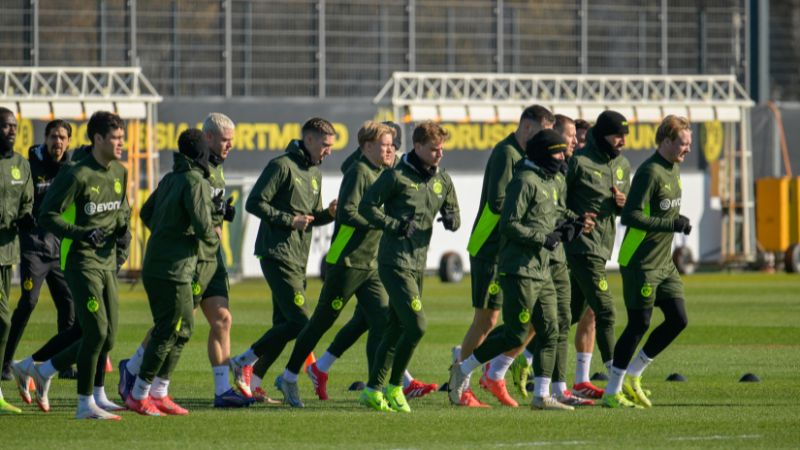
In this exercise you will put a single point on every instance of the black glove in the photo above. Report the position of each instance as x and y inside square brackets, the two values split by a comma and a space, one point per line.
[123, 236]
[552, 240]
[120, 260]
[407, 227]
[682, 225]
[573, 229]
[448, 219]
[230, 211]
[219, 204]
[26, 223]
[96, 237]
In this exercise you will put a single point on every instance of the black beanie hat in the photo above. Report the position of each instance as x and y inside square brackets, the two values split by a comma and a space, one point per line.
[545, 143]
[397, 142]
[193, 145]
[610, 123]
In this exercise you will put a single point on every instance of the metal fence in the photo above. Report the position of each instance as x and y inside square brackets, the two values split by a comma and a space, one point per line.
[338, 48]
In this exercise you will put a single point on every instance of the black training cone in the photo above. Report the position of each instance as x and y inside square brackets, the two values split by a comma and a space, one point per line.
[599, 376]
[357, 386]
[676, 377]
[529, 387]
[749, 378]
[444, 387]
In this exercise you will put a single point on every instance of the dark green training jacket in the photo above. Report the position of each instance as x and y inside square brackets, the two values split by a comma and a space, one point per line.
[355, 241]
[208, 250]
[649, 213]
[484, 242]
[530, 211]
[178, 214]
[404, 192]
[83, 197]
[290, 185]
[562, 213]
[17, 200]
[590, 176]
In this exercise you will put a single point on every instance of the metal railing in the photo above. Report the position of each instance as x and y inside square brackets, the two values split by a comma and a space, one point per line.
[346, 48]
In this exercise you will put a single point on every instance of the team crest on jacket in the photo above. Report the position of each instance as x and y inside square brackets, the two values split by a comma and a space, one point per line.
[437, 187]
[15, 173]
[299, 299]
[524, 317]
[416, 304]
[117, 186]
[314, 185]
[337, 304]
[620, 173]
[92, 304]
[28, 284]
[647, 290]
[494, 288]
[602, 285]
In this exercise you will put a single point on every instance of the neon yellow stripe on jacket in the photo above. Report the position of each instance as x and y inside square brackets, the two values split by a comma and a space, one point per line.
[486, 224]
[633, 239]
[68, 216]
[338, 245]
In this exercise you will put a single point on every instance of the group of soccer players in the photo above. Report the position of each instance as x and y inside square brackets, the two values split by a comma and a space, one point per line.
[539, 246]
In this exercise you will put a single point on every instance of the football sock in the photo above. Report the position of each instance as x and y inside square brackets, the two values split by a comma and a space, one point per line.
[583, 362]
[407, 378]
[615, 378]
[559, 387]
[541, 386]
[222, 382]
[639, 363]
[47, 369]
[325, 362]
[289, 376]
[469, 364]
[135, 361]
[159, 388]
[85, 401]
[498, 367]
[141, 389]
[247, 358]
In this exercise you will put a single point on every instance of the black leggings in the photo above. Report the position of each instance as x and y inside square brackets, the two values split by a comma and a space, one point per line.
[675, 321]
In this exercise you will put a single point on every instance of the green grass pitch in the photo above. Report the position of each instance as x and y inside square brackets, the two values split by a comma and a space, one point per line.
[738, 323]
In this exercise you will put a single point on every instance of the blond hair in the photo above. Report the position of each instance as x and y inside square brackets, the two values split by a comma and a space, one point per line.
[371, 131]
[216, 123]
[670, 127]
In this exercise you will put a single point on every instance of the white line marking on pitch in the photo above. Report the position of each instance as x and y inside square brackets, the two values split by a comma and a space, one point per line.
[541, 443]
[715, 437]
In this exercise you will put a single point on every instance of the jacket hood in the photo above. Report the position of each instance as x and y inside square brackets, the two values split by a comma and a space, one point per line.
[297, 149]
[182, 163]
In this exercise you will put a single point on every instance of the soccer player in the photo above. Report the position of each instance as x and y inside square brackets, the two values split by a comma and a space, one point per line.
[649, 277]
[529, 234]
[287, 197]
[41, 249]
[484, 242]
[352, 266]
[84, 207]
[403, 202]
[15, 213]
[358, 323]
[66, 339]
[559, 271]
[211, 279]
[597, 180]
[179, 215]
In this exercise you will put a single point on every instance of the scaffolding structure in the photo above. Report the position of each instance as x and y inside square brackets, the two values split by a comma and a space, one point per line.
[75, 93]
[493, 97]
